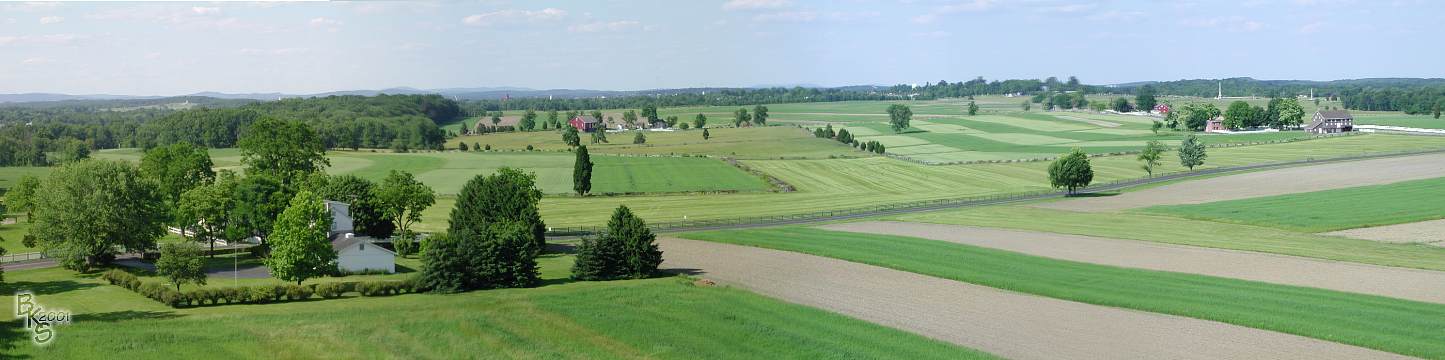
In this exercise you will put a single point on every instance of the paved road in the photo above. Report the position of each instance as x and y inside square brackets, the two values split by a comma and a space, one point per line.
[1412, 284]
[1008, 324]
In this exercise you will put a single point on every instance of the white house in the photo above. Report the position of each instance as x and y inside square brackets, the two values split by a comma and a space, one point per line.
[356, 253]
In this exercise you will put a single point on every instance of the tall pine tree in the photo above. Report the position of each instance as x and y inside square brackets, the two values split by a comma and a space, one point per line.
[582, 172]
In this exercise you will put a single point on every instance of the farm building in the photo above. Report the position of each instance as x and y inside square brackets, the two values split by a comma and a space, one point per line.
[586, 123]
[1331, 121]
[1215, 125]
[356, 253]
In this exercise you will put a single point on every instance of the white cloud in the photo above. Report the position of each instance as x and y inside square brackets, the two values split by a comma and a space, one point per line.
[786, 16]
[200, 10]
[503, 16]
[1067, 8]
[755, 4]
[52, 39]
[1232, 23]
[622, 25]
[325, 23]
[51, 20]
[958, 7]
[1116, 15]
[36, 61]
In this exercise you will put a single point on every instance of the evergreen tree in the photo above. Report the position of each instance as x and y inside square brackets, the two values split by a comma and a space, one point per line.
[639, 138]
[627, 250]
[582, 172]
[972, 108]
[462, 146]
[571, 137]
[705, 134]
[507, 195]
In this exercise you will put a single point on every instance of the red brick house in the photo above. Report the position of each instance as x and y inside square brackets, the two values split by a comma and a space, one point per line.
[586, 123]
[1215, 125]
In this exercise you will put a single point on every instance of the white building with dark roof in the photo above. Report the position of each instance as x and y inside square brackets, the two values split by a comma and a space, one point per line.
[356, 253]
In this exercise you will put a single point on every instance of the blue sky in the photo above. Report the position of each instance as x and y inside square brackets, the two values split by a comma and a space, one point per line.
[179, 48]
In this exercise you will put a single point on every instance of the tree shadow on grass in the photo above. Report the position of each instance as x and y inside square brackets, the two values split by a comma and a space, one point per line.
[126, 315]
[45, 288]
[1091, 195]
[555, 249]
[12, 336]
[683, 271]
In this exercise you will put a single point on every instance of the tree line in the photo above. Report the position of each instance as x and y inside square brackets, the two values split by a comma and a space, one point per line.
[1412, 96]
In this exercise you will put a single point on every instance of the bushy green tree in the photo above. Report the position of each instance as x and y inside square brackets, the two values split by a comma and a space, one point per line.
[462, 146]
[582, 172]
[973, 108]
[700, 121]
[760, 115]
[571, 137]
[1025, 105]
[599, 136]
[85, 210]
[705, 134]
[1153, 150]
[287, 150]
[1191, 152]
[300, 246]
[1122, 105]
[402, 199]
[639, 138]
[258, 200]
[629, 117]
[1197, 115]
[1145, 98]
[177, 168]
[205, 211]
[1155, 126]
[21, 197]
[740, 117]
[649, 112]
[507, 195]
[1071, 171]
[528, 121]
[1288, 113]
[361, 195]
[1238, 115]
[899, 116]
[628, 250]
[181, 263]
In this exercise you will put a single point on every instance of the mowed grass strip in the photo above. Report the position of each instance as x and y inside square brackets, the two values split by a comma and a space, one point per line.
[1329, 210]
[666, 318]
[1175, 230]
[1388, 324]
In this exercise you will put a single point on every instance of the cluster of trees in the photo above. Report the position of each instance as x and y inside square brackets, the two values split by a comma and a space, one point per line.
[1412, 96]
[700, 97]
[741, 117]
[1060, 100]
[1072, 171]
[1281, 113]
[979, 86]
[843, 136]
[493, 236]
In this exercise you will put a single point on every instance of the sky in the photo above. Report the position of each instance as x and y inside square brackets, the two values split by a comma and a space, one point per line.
[179, 48]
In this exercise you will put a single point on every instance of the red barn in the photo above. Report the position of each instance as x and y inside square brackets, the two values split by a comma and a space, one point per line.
[586, 123]
[1161, 108]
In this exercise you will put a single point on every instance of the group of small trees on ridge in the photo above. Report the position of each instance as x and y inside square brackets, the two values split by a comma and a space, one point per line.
[1072, 171]
[843, 136]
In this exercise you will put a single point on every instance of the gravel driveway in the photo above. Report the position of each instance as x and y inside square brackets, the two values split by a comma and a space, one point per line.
[1266, 183]
[1412, 284]
[1007, 324]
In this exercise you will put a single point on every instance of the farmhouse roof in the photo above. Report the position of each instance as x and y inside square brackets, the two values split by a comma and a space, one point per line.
[1336, 114]
[342, 241]
[587, 119]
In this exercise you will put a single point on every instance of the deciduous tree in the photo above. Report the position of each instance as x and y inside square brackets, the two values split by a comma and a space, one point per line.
[300, 248]
[699, 121]
[206, 210]
[507, 195]
[1144, 98]
[628, 250]
[1191, 152]
[639, 138]
[21, 197]
[740, 117]
[177, 168]
[973, 108]
[181, 263]
[402, 199]
[1153, 150]
[1071, 171]
[85, 210]
[899, 116]
[760, 115]
[287, 150]
[571, 137]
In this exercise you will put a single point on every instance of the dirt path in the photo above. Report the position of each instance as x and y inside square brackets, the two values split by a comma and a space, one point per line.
[1412, 284]
[1425, 232]
[1008, 324]
[1266, 183]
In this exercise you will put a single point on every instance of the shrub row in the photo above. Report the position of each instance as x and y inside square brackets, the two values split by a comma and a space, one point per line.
[258, 294]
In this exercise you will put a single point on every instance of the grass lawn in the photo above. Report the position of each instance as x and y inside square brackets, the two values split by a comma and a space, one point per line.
[12, 237]
[1388, 324]
[666, 318]
[1174, 230]
[1399, 119]
[1321, 211]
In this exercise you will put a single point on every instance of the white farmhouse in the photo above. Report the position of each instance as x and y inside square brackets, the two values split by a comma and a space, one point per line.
[356, 253]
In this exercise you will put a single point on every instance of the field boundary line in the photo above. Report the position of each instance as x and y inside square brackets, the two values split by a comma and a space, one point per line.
[972, 201]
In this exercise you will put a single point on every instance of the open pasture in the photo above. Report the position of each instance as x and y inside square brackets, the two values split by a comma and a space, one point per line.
[561, 319]
[1388, 324]
[1398, 119]
[1328, 210]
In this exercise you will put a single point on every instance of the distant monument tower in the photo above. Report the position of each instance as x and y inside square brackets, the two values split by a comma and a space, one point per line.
[1221, 91]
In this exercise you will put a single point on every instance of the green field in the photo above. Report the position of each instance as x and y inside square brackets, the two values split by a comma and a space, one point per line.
[665, 318]
[12, 236]
[770, 142]
[1174, 230]
[1330, 210]
[446, 172]
[1399, 119]
[1394, 325]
